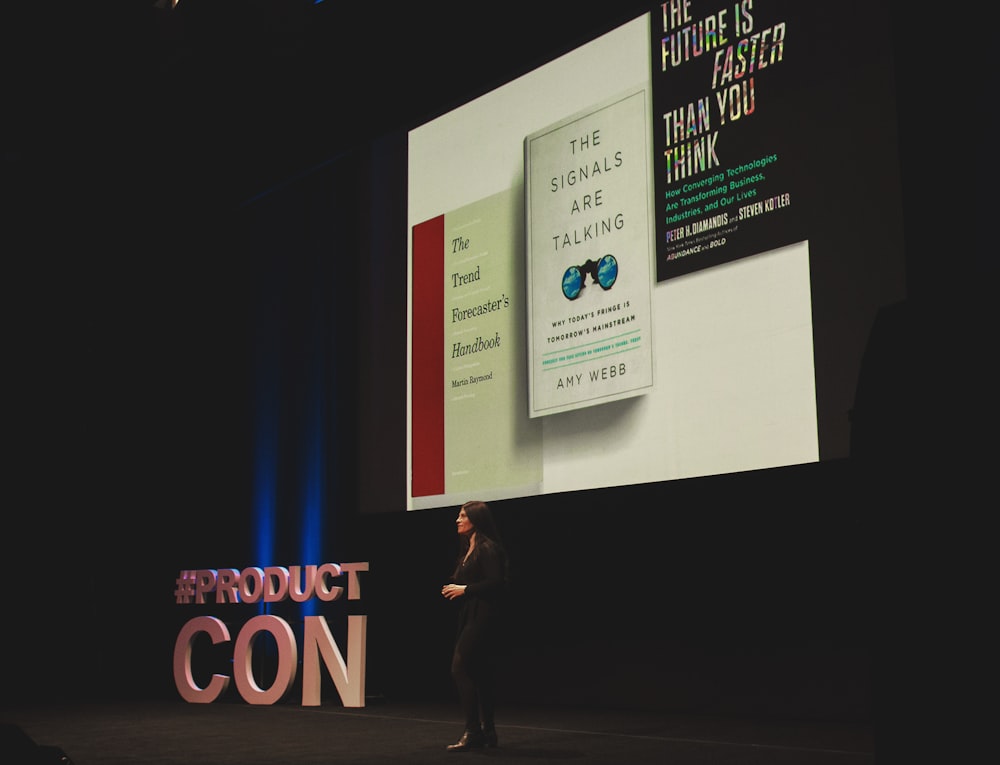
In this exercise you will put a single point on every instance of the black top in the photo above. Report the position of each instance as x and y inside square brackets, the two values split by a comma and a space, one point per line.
[484, 575]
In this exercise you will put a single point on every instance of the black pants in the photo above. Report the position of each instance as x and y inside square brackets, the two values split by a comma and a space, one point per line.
[474, 672]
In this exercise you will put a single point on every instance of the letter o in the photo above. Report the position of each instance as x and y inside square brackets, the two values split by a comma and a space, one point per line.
[253, 575]
[243, 658]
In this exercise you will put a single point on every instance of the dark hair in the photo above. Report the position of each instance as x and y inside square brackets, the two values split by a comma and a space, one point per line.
[481, 518]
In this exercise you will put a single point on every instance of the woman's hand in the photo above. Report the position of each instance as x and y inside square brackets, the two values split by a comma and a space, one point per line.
[452, 591]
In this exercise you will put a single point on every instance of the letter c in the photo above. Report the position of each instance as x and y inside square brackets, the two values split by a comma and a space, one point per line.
[183, 678]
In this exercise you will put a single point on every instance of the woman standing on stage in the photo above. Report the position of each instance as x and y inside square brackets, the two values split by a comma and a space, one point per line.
[479, 584]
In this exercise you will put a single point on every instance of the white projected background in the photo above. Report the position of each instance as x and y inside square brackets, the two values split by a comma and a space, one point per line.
[734, 385]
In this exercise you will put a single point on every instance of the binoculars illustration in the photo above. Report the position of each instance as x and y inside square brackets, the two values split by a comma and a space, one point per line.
[603, 272]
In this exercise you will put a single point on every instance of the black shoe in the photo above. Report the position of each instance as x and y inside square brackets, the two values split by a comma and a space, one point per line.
[469, 740]
[490, 738]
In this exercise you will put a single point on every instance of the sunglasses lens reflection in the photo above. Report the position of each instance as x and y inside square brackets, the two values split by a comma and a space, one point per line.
[607, 271]
[572, 283]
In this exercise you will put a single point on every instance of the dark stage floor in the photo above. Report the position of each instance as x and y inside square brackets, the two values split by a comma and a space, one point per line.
[178, 733]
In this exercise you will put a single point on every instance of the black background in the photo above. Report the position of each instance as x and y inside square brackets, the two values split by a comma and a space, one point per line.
[133, 139]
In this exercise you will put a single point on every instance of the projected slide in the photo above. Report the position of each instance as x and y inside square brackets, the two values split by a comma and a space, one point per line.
[629, 264]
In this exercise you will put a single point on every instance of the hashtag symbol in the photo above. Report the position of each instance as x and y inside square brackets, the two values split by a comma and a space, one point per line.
[184, 591]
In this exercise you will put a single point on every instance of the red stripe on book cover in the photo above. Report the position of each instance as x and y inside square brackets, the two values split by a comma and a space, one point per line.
[427, 394]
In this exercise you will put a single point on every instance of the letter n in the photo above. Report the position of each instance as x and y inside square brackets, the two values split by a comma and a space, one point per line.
[348, 678]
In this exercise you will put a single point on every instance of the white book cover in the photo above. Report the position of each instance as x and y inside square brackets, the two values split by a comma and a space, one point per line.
[589, 253]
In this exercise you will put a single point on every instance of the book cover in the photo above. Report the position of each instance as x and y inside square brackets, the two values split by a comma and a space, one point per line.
[589, 256]
[470, 431]
[738, 96]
